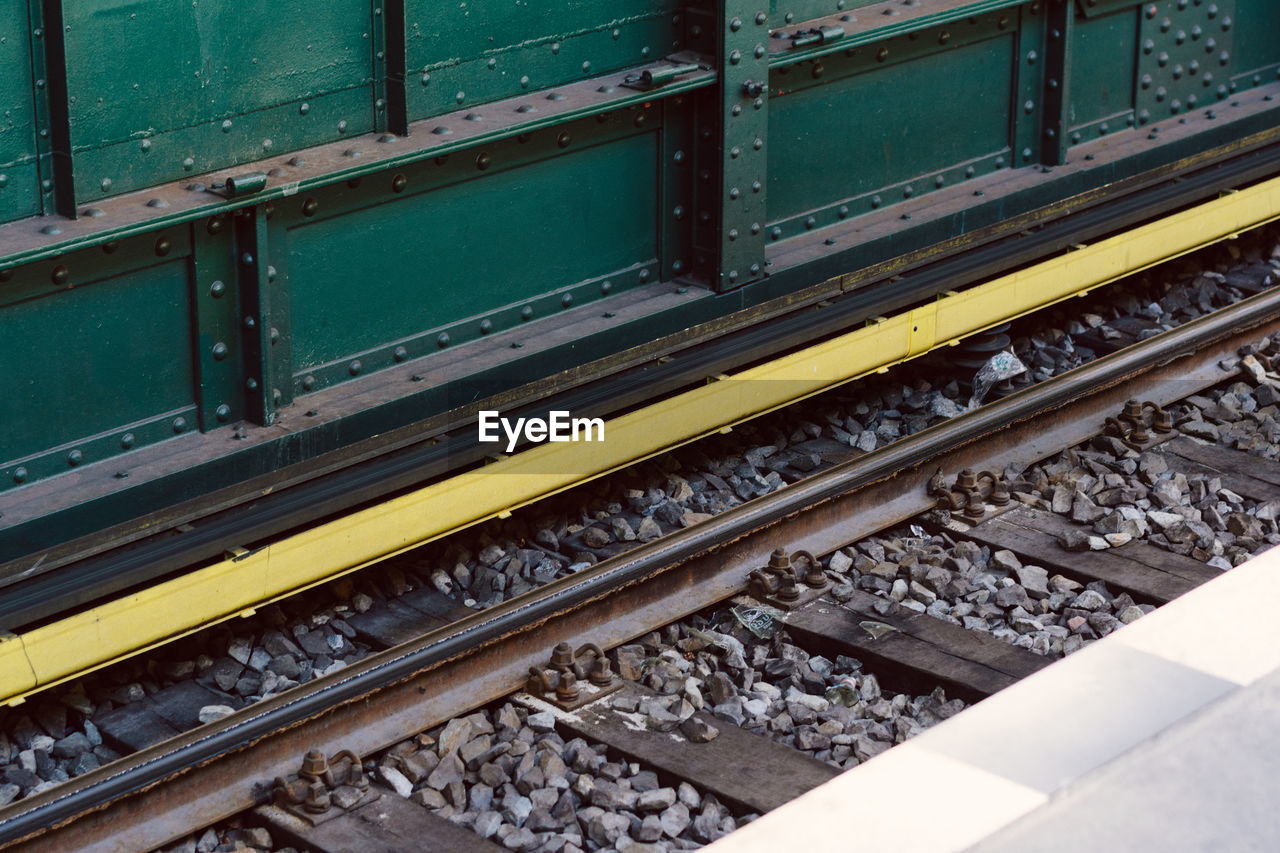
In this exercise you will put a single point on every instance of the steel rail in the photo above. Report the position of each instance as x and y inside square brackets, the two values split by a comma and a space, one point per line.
[150, 798]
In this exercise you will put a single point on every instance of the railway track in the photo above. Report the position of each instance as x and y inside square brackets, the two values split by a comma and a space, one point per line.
[115, 604]
[441, 663]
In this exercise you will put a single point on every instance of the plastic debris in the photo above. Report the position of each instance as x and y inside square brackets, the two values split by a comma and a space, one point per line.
[844, 692]
[876, 629]
[1001, 366]
[755, 620]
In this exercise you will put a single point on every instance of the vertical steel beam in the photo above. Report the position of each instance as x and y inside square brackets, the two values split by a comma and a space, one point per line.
[1028, 95]
[1060, 20]
[214, 307]
[280, 333]
[393, 68]
[53, 122]
[675, 182]
[743, 59]
[257, 310]
[731, 131]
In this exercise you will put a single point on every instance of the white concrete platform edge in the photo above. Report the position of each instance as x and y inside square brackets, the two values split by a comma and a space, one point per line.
[1032, 744]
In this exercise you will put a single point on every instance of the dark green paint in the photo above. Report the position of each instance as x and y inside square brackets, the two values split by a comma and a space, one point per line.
[1104, 60]
[858, 134]
[408, 266]
[1058, 34]
[1030, 67]
[740, 158]
[1257, 28]
[218, 354]
[19, 174]
[139, 113]
[470, 53]
[95, 357]
[1185, 57]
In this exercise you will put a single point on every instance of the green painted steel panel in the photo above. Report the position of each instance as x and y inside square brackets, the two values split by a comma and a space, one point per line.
[472, 53]
[94, 357]
[1257, 28]
[160, 90]
[877, 128]
[1104, 54]
[401, 268]
[19, 174]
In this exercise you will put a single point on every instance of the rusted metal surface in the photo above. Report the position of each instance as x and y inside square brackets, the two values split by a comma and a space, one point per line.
[573, 679]
[780, 585]
[147, 799]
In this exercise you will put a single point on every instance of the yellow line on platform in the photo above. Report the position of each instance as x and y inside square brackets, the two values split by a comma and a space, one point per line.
[126, 626]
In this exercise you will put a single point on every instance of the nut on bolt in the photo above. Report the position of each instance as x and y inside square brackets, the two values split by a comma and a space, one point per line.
[562, 656]
[567, 688]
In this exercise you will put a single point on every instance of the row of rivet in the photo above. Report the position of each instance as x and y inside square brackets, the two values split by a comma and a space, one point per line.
[400, 353]
[482, 162]
[76, 457]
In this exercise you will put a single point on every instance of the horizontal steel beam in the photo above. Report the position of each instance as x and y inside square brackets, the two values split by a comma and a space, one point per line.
[145, 211]
[870, 24]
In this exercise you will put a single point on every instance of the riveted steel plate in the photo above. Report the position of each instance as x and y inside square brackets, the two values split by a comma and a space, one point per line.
[96, 361]
[1103, 69]
[1185, 56]
[477, 251]
[895, 129]
[468, 54]
[159, 90]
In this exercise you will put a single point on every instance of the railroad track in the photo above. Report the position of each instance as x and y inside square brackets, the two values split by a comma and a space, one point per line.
[440, 663]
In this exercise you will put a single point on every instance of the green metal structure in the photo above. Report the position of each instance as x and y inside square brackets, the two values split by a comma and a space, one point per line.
[239, 237]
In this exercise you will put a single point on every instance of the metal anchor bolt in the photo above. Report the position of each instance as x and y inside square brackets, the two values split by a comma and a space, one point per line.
[813, 576]
[780, 567]
[600, 674]
[973, 504]
[1161, 420]
[315, 766]
[562, 656]
[355, 773]
[567, 688]
[317, 801]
